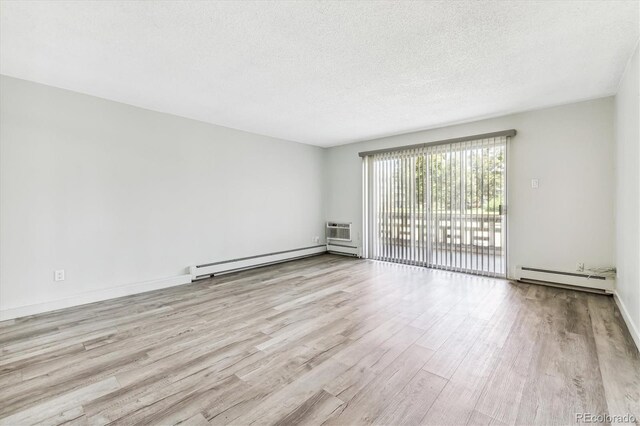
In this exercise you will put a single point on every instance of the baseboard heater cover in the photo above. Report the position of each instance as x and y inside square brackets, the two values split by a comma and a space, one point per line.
[565, 279]
[343, 249]
[208, 269]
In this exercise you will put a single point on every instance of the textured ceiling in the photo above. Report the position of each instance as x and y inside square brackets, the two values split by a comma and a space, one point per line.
[324, 73]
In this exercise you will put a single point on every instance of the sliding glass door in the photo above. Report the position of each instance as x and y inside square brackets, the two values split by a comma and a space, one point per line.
[441, 206]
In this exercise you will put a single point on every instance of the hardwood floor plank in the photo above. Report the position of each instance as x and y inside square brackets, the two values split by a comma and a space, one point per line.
[367, 404]
[74, 414]
[453, 406]
[618, 359]
[467, 379]
[354, 379]
[502, 395]
[196, 420]
[446, 359]
[479, 419]
[411, 404]
[314, 411]
[440, 331]
[61, 404]
[281, 402]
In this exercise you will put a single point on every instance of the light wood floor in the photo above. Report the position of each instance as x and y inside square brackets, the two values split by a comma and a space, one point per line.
[324, 340]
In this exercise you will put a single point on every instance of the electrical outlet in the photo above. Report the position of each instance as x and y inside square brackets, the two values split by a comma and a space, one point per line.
[315, 240]
[535, 183]
[59, 275]
[580, 267]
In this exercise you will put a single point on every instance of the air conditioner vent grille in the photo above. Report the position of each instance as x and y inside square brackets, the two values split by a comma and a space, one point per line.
[338, 231]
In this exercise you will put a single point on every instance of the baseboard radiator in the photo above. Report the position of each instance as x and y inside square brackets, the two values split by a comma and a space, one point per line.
[216, 268]
[343, 249]
[565, 279]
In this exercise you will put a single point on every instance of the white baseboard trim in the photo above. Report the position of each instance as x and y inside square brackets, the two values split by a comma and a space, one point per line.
[627, 319]
[93, 296]
[232, 265]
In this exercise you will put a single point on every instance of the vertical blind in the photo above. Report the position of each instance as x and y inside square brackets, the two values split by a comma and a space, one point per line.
[441, 206]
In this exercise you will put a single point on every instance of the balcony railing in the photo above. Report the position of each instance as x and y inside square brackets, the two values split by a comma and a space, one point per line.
[473, 242]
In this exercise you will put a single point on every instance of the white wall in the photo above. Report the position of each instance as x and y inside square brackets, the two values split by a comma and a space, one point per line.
[569, 148]
[116, 195]
[627, 129]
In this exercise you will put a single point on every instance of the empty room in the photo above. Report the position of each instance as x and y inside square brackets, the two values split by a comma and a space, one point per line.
[319, 212]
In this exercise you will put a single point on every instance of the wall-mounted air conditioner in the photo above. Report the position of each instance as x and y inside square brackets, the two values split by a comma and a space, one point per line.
[339, 239]
[598, 283]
